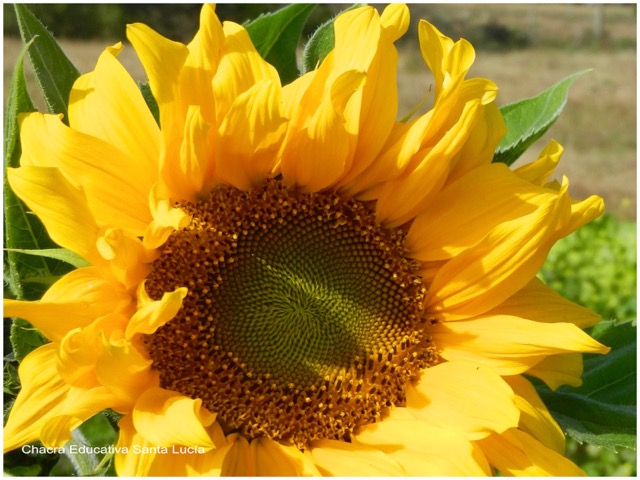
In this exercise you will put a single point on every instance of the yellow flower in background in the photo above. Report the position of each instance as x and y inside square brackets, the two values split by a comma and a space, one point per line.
[289, 281]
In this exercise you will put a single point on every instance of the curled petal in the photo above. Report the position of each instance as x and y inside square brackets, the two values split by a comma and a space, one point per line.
[74, 301]
[155, 314]
[166, 418]
[188, 160]
[535, 301]
[558, 370]
[166, 218]
[327, 139]
[128, 259]
[123, 369]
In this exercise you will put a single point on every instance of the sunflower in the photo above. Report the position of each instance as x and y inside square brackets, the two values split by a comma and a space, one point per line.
[285, 280]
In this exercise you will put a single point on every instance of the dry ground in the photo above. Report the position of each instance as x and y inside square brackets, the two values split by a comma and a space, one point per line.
[598, 126]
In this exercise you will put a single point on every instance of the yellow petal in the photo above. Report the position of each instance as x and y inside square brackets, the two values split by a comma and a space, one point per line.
[363, 43]
[250, 136]
[519, 454]
[40, 399]
[558, 370]
[293, 94]
[185, 174]
[357, 34]
[538, 172]
[162, 60]
[479, 148]
[77, 357]
[61, 207]
[166, 218]
[421, 185]
[535, 419]
[399, 153]
[167, 418]
[153, 315]
[240, 68]
[273, 459]
[79, 350]
[334, 458]
[536, 301]
[135, 456]
[74, 301]
[116, 190]
[423, 449]
[107, 104]
[581, 213]
[376, 118]
[80, 405]
[503, 262]
[238, 461]
[510, 345]
[200, 66]
[327, 139]
[128, 259]
[448, 61]
[445, 228]
[123, 369]
[434, 47]
[395, 20]
[128, 462]
[464, 397]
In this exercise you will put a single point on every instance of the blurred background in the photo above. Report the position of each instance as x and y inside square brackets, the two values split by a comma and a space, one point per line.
[524, 49]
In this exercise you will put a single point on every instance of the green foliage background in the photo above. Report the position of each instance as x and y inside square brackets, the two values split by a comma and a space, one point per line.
[596, 267]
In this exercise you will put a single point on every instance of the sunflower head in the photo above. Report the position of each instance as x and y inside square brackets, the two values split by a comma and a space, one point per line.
[287, 280]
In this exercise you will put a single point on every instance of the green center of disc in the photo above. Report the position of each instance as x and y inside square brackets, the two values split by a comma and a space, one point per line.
[303, 318]
[306, 297]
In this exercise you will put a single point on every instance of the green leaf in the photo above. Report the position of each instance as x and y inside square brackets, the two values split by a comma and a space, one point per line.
[321, 43]
[18, 101]
[61, 254]
[84, 461]
[602, 411]
[22, 229]
[528, 119]
[150, 100]
[275, 36]
[85, 449]
[24, 338]
[600, 424]
[54, 72]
